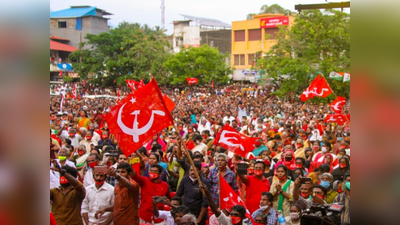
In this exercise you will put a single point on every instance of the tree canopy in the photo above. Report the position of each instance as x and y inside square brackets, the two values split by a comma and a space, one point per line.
[204, 63]
[128, 51]
[274, 9]
[318, 42]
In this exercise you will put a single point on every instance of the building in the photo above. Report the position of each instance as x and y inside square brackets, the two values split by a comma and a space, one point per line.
[252, 38]
[74, 23]
[195, 31]
[59, 52]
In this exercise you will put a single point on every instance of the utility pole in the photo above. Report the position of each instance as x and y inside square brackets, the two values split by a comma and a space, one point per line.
[162, 15]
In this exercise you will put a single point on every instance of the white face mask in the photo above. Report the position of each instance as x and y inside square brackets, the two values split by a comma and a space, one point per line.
[324, 149]
[294, 216]
[259, 129]
[262, 208]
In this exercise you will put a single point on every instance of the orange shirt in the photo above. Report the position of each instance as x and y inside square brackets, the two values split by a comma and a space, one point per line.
[126, 204]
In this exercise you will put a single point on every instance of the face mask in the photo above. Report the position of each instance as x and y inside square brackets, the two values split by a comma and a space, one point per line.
[324, 149]
[104, 136]
[339, 191]
[279, 148]
[72, 135]
[304, 195]
[319, 196]
[204, 122]
[99, 182]
[288, 158]
[262, 208]
[62, 158]
[250, 171]
[235, 219]
[348, 185]
[88, 138]
[153, 175]
[316, 148]
[259, 129]
[342, 165]
[180, 128]
[204, 136]
[299, 145]
[108, 164]
[294, 216]
[299, 165]
[275, 130]
[92, 165]
[267, 163]
[63, 180]
[343, 147]
[283, 178]
[325, 184]
[190, 130]
[96, 125]
[258, 172]
[305, 138]
[80, 152]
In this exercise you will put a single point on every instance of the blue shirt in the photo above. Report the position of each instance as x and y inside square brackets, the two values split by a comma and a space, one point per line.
[257, 151]
[271, 216]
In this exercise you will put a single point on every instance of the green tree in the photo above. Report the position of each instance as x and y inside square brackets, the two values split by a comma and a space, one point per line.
[274, 9]
[128, 51]
[318, 42]
[204, 63]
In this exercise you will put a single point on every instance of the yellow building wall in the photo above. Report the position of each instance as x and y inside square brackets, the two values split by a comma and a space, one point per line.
[251, 47]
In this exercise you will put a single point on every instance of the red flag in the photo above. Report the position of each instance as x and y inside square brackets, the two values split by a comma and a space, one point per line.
[192, 81]
[132, 84]
[169, 103]
[338, 118]
[74, 93]
[318, 88]
[140, 84]
[234, 141]
[138, 117]
[117, 96]
[338, 104]
[229, 198]
[60, 73]
[212, 85]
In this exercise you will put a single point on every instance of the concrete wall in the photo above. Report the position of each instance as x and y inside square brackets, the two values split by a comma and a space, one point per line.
[221, 39]
[90, 25]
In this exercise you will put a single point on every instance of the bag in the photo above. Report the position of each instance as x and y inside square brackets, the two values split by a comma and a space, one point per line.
[172, 181]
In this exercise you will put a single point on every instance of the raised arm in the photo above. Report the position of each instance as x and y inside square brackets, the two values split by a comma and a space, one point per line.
[211, 203]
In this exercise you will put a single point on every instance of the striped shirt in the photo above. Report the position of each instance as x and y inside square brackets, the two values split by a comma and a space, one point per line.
[343, 199]
[213, 177]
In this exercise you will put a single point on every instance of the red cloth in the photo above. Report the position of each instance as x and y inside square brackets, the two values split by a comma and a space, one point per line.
[254, 188]
[150, 189]
[318, 88]
[52, 220]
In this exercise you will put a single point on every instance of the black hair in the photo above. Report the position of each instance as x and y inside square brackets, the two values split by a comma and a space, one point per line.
[324, 168]
[156, 147]
[298, 207]
[98, 152]
[260, 162]
[176, 198]
[197, 156]
[71, 170]
[240, 209]
[347, 174]
[190, 153]
[347, 162]
[308, 149]
[320, 187]
[68, 141]
[182, 209]
[328, 145]
[198, 137]
[197, 165]
[142, 150]
[160, 169]
[95, 155]
[269, 196]
[302, 160]
[109, 148]
[222, 150]
[124, 165]
[207, 132]
[277, 137]
[283, 167]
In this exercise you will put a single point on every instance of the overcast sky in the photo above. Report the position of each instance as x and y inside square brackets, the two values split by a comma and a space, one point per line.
[149, 12]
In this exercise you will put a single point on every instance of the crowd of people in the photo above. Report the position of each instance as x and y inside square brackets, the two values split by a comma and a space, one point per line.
[298, 160]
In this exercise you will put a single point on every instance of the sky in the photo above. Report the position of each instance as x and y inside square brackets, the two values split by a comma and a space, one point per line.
[149, 12]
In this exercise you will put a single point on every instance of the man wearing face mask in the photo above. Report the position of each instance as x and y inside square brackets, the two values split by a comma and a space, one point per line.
[316, 194]
[88, 140]
[203, 125]
[105, 139]
[259, 147]
[326, 182]
[344, 199]
[67, 199]
[199, 146]
[151, 186]
[265, 207]
[189, 190]
[98, 194]
[92, 161]
[255, 185]
[228, 117]
[95, 136]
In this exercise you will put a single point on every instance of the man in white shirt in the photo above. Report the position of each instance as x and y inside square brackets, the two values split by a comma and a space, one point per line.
[228, 117]
[199, 146]
[203, 125]
[95, 136]
[241, 110]
[88, 141]
[92, 161]
[175, 214]
[98, 195]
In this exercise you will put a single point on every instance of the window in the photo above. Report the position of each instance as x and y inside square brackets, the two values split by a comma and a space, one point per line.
[239, 35]
[78, 25]
[62, 24]
[271, 33]
[250, 59]
[239, 60]
[255, 35]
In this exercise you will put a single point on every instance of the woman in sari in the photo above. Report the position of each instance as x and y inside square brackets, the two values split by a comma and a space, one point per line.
[83, 121]
[156, 140]
[282, 190]
[327, 159]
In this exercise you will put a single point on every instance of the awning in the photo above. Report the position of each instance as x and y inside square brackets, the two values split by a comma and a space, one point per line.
[57, 46]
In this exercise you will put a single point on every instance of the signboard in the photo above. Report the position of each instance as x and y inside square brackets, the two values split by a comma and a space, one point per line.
[249, 73]
[274, 21]
[64, 66]
[191, 37]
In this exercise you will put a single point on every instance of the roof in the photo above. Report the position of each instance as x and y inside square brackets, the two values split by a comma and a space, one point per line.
[54, 45]
[58, 38]
[207, 21]
[77, 11]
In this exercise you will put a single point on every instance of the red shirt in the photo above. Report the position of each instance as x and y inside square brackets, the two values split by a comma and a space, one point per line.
[150, 189]
[254, 188]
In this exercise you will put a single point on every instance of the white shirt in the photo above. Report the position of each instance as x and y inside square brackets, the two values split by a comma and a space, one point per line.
[74, 141]
[200, 148]
[67, 162]
[95, 138]
[242, 112]
[97, 199]
[226, 118]
[88, 179]
[166, 216]
[224, 220]
[54, 182]
[87, 144]
[202, 127]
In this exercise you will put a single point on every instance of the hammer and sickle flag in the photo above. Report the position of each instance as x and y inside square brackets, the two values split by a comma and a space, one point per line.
[138, 117]
[234, 141]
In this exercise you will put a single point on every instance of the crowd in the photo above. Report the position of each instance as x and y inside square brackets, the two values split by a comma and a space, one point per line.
[298, 162]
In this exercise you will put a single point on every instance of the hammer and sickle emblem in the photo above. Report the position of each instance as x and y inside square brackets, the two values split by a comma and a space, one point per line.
[225, 140]
[135, 131]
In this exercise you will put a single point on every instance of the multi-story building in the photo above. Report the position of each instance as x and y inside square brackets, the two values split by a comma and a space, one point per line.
[195, 31]
[251, 39]
[59, 63]
[74, 23]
